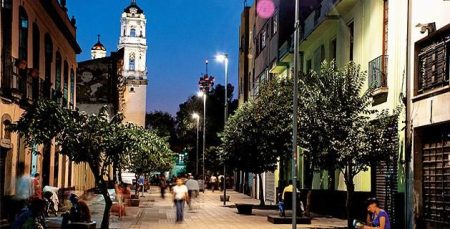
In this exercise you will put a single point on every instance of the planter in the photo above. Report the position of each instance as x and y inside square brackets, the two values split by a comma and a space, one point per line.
[228, 198]
[245, 209]
[134, 202]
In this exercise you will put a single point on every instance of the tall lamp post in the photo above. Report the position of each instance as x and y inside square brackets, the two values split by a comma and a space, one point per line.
[224, 59]
[197, 118]
[294, 115]
[205, 83]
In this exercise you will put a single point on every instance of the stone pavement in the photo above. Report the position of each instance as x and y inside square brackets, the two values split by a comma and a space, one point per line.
[207, 212]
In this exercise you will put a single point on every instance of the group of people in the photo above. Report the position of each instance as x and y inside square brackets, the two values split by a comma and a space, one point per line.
[30, 208]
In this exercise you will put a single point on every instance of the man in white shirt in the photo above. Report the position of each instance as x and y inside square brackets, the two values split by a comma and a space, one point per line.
[213, 181]
[180, 194]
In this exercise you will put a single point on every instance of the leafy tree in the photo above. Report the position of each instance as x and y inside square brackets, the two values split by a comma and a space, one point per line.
[164, 125]
[186, 126]
[259, 132]
[98, 140]
[148, 152]
[336, 126]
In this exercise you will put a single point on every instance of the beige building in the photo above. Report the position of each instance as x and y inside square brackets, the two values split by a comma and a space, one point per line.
[38, 60]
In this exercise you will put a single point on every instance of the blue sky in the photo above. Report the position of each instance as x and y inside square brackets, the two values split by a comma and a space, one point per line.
[181, 34]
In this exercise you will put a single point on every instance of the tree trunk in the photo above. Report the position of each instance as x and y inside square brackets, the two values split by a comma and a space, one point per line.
[308, 186]
[120, 175]
[115, 173]
[101, 185]
[350, 191]
[261, 193]
[331, 179]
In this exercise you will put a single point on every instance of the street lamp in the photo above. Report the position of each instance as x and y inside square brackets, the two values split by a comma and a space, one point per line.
[197, 118]
[205, 83]
[294, 113]
[223, 58]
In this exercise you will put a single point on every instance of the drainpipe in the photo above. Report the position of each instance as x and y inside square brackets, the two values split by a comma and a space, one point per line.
[409, 175]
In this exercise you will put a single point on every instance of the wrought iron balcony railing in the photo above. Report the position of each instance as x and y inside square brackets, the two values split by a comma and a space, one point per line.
[377, 76]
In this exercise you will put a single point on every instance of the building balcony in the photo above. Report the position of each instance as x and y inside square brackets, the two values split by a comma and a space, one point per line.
[20, 84]
[377, 76]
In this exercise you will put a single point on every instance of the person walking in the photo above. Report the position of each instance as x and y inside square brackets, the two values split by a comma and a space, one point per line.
[213, 181]
[24, 188]
[180, 195]
[193, 189]
[141, 184]
[162, 185]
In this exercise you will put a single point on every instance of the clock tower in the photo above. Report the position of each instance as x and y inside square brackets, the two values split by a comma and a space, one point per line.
[133, 41]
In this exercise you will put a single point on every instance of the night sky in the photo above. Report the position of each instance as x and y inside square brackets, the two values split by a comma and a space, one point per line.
[181, 35]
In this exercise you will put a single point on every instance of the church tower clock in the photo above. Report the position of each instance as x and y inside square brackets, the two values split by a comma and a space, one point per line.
[133, 41]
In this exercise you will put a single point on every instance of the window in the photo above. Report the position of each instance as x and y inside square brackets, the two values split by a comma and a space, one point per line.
[36, 46]
[133, 32]
[275, 24]
[333, 50]
[48, 64]
[72, 88]
[351, 30]
[66, 84]
[263, 39]
[132, 66]
[23, 34]
[58, 71]
[308, 65]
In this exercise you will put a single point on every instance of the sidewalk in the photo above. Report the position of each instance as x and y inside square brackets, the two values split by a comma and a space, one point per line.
[207, 212]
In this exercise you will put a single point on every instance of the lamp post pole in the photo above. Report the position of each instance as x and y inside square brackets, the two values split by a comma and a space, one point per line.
[197, 119]
[224, 123]
[294, 119]
[204, 140]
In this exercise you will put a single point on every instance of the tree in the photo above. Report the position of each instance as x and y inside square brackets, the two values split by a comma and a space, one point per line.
[259, 132]
[148, 152]
[186, 126]
[164, 125]
[336, 126]
[98, 140]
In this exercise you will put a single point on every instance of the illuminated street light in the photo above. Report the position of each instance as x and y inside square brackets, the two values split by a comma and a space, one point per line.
[223, 58]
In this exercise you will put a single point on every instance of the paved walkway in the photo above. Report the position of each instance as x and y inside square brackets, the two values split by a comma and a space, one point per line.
[207, 212]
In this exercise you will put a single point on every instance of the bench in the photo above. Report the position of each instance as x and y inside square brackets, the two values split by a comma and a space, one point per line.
[245, 209]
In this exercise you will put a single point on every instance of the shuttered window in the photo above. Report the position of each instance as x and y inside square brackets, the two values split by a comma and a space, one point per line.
[436, 175]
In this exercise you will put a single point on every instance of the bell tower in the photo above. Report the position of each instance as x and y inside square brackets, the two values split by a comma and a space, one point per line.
[134, 43]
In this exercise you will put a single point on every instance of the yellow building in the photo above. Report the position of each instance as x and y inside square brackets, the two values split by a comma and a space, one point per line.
[38, 60]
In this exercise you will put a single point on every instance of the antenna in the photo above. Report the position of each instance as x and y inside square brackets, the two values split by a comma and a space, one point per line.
[98, 38]
[133, 2]
[206, 63]
[245, 3]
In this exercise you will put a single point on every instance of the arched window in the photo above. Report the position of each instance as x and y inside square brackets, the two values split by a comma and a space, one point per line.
[132, 62]
[58, 71]
[4, 134]
[72, 88]
[66, 84]
[23, 34]
[132, 32]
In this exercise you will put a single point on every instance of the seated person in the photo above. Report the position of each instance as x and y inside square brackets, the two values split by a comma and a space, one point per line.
[281, 203]
[79, 212]
[32, 216]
